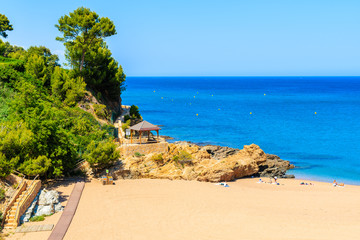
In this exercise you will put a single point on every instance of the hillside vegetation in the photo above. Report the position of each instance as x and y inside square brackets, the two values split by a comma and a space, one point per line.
[43, 131]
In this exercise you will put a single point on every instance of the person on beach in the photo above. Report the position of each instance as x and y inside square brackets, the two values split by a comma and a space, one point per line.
[335, 183]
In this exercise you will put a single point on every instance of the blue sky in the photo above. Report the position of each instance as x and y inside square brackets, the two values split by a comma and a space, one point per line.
[210, 38]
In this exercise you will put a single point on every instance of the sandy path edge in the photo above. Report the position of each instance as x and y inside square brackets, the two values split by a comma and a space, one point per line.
[65, 220]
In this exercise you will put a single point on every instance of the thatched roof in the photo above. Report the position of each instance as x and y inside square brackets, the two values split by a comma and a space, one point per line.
[144, 126]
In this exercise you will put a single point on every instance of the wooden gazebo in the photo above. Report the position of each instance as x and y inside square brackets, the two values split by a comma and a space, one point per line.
[144, 126]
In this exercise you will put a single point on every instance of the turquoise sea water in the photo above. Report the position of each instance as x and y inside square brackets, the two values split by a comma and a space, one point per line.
[216, 110]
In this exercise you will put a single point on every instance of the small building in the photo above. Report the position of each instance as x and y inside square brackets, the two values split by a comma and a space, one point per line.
[144, 127]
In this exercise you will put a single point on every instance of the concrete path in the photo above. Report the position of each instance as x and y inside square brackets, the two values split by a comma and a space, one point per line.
[64, 222]
[34, 228]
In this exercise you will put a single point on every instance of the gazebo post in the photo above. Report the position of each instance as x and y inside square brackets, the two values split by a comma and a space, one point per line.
[140, 136]
[131, 132]
[157, 132]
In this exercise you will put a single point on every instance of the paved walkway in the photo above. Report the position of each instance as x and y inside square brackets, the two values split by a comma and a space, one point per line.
[34, 228]
[64, 222]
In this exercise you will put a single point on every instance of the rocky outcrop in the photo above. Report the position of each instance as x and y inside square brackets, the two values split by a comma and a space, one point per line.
[45, 203]
[274, 167]
[189, 161]
[218, 152]
[48, 203]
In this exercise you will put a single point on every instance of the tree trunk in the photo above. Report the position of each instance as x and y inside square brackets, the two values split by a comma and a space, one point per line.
[82, 60]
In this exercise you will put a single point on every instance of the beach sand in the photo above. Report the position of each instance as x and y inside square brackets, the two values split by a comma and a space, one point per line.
[163, 209]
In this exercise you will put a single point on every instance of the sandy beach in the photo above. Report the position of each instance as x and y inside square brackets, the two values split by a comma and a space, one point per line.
[164, 209]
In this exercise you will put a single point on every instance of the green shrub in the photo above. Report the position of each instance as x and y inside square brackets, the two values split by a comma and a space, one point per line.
[137, 154]
[183, 158]
[158, 158]
[134, 112]
[98, 96]
[100, 111]
[2, 194]
[125, 125]
[126, 118]
[101, 154]
[37, 218]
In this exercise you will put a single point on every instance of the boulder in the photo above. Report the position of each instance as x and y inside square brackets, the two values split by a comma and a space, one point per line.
[48, 203]
[218, 152]
[274, 167]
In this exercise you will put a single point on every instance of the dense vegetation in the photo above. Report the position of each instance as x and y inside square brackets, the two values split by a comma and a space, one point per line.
[42, 129]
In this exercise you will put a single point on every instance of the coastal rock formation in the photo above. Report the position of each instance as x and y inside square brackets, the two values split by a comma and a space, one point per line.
[219, 152]
[274, 167]
[48, 203]
[45, 203]
[188, 161]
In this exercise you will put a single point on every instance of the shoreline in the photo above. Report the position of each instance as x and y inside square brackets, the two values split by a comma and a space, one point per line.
[305, 177]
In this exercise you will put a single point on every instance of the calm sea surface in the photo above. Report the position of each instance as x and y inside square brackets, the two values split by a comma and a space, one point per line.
[312, 121]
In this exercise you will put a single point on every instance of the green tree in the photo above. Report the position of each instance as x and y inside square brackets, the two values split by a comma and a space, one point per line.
[134, 112]
[102, 72]
[38, 166]
[35, 66]
[67, 89]
[4, 25]
[51, 60]
[82, 29]
[6, 166]
[102, 154]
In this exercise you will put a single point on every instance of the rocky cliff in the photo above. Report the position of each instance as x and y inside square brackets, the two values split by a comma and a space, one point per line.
[188, 161]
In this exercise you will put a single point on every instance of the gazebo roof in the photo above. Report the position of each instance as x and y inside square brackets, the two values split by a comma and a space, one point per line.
[144, 126]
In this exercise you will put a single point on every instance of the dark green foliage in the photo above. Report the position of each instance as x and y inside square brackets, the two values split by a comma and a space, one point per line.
[83, 33]
[38, 166]
[126, 125]
[102, 73]
[6, 166]
[37, 218]
[2, 194]
[65, 88]
[50, 60]
[100, 111]
[102, 154]
[6, 49]
[82, 29]
[126, 118]
[42, 131]
[4, 25]
[6, 94]
[134, 112]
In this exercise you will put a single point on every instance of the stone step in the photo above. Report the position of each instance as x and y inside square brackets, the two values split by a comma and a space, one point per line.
[10, 221]
[12, 226]
[10, 216]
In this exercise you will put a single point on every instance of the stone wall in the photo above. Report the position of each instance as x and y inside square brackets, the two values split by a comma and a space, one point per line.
[131, 149]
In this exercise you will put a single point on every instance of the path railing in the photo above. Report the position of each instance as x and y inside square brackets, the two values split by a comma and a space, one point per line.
[12, 198]
[24, 197]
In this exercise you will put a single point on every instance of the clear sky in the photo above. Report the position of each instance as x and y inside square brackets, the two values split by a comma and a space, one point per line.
[209, 38]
